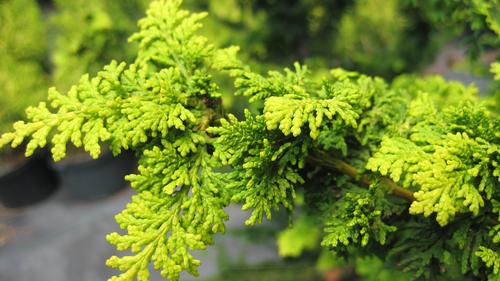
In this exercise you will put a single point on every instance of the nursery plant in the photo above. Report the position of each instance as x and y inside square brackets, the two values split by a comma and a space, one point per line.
[22, 52]
[88, 34]
[23, 79]
[407, 172]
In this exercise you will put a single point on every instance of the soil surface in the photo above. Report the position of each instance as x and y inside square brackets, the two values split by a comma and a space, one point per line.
[61, 240]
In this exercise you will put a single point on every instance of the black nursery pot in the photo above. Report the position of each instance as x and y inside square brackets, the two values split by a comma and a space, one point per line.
[96, 179]
[29, 183]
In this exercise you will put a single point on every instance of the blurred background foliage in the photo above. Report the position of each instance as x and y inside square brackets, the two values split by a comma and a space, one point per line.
[91, 33]
[49, 43]
[55, 42]
[23, 51]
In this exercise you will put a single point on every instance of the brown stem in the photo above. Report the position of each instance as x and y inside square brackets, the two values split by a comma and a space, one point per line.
[206, 119]
[323, 159]
[212, 112]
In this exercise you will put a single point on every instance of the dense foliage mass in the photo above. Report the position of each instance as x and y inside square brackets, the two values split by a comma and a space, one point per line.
[406, 171]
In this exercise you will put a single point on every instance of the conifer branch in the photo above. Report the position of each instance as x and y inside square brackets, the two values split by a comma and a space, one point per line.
[322, 158]
[431, 134]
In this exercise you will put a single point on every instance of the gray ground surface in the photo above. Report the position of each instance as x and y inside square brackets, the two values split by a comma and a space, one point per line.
[62, 240]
